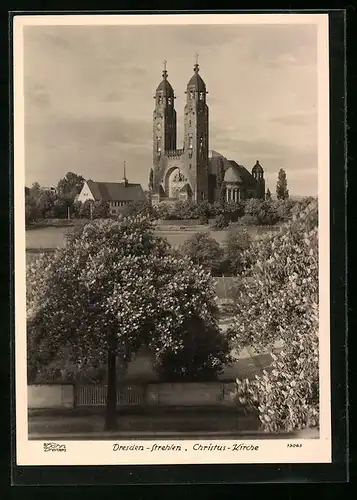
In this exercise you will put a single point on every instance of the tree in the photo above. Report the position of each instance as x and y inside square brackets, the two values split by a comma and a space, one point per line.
[222, 194]
[278, 301]
[30, 209]
[85, 209]
[267, 215]
[45, 203]
[100, 209]
[282, 192]
[203, 211]
[203, 250]
[249, 220]
[151, 179]
[113, 288]
[35, 190]
[187, 209]
[76, 208]
[202, 355]
[238, 242]
[252, 207]
[220, 222]
[234, 210]
[59, 209]
[70, 185]
[162, 211]
[220, 174]
[284, 209]
[138, 208]
[268, 194]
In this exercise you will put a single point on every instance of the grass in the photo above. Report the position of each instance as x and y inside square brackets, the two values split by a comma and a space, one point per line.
[53, 236]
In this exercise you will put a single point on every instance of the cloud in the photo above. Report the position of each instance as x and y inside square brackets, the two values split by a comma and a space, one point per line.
[92, 133]
[89, 95]
[295, 120]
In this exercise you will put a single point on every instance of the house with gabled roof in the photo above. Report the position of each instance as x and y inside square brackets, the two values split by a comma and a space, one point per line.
[116, 194]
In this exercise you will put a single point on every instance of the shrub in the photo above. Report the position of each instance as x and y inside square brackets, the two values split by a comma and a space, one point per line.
[138, 208]
[76, 208]
[278, 301]
[220, 222]
[287, 397]
[238, 242]
[203, 250]
[204, 220]
[252, 207]
[234, 210]
[216, 209]
[202, 354]
[284, 209]
[267, 215]
[100, 209]
[249, 220]
[31, 212]
[85, 209]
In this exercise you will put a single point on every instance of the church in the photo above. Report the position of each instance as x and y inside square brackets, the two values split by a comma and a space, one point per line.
[194, 172]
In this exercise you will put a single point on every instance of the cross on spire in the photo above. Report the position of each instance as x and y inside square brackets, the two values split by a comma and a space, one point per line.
[164, 73]
[196, 68]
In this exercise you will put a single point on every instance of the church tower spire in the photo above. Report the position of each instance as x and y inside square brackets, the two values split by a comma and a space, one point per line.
[164, 117]
[125, 180]
[196, 132]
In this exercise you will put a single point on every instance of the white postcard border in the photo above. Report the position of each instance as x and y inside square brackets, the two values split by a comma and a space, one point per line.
[30, 452]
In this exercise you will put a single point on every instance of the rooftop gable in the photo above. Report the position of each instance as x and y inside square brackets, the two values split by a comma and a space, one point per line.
[116, 191]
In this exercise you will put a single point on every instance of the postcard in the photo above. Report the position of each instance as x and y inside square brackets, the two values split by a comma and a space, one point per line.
[171, 210]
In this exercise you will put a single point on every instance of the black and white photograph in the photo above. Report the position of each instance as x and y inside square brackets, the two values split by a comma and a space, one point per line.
[172, 239]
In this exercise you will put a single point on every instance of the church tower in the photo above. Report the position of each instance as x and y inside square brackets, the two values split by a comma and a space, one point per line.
[164, 119]
[258, 175]
[196, 134]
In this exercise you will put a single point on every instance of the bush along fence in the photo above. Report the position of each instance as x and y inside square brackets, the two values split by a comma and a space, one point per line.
[51, 396]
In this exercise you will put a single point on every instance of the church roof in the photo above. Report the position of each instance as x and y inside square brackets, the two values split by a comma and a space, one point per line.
[232, 175]
[245, 175]
[116, 191]
[165, 87]
[196, 81]
[216, 159]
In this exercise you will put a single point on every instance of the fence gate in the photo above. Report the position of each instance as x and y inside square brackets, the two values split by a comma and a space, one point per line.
[92, 395]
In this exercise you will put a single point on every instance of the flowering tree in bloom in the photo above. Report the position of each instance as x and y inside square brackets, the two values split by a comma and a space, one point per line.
[113, 288]
[278, 301]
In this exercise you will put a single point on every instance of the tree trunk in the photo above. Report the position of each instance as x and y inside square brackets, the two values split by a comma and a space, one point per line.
[110, 415]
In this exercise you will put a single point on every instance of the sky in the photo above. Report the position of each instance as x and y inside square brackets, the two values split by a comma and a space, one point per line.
[89, 97]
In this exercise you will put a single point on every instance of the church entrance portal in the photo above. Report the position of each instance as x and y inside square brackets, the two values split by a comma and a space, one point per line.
[174, 181]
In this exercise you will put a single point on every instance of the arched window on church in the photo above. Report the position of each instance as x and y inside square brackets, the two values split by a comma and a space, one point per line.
[201, 96]
[190, 142]
[191, 94]
[159, 100]
[158, 144]
[169, 101]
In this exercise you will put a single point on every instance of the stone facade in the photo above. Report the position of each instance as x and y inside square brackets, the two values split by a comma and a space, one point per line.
[191, 172]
